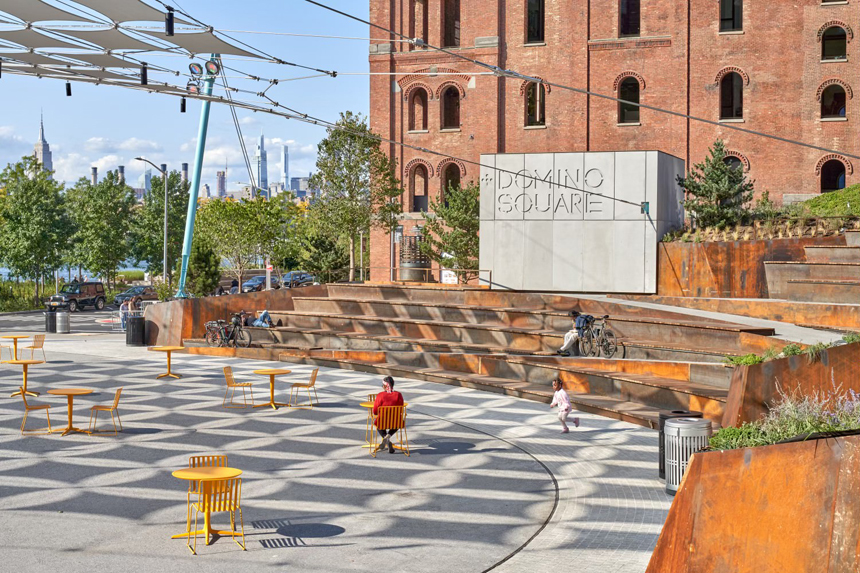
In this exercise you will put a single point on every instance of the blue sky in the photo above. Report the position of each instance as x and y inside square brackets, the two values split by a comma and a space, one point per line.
[106, 126]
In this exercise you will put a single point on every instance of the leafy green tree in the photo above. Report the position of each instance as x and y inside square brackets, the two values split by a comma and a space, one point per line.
[34, 224]
[356, 182]
[148, 225]
[718, 195]
[320, 252]
[451, 230]
[276, 228]
[102, 217]
[232, 231]
[204, 269]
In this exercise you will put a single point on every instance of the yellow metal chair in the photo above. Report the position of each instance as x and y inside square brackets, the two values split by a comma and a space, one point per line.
[369, 426]
[29, 408]
[232, 385]
[308, 386]
[110, 409]
[9, 348]
[226, 495]
[194, 487]
[390, 418]
[38, 344]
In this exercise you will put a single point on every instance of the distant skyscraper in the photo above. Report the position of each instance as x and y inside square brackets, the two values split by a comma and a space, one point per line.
[42, 151]
[145, 181]
[207, 192]
[262, 164]
[221, 185]
[184, 172]
[285, 170]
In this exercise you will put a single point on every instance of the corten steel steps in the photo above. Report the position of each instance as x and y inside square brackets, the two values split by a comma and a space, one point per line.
[852, 238]
[817, 290]
[832, 254]
[779, 273]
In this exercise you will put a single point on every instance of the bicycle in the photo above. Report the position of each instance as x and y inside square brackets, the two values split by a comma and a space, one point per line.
[598, 339]
[220, 333]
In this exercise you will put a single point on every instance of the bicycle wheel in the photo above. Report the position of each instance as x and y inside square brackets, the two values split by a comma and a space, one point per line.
[213, 338]
[586, 342]
[243, 338]
[609, 344]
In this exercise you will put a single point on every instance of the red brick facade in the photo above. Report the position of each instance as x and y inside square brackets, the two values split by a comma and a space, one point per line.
[678, 59]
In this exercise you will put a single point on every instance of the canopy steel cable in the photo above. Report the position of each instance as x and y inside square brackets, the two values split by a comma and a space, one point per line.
[239, 134]
[517, 75]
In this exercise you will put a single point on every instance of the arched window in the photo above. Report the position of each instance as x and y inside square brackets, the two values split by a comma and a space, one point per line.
[535, 107]
[629, 92]
[833, 102]
[732, 96]
[419, 20]
[418, 188]
[628, 18]
[733, 162]
[834, 44]
[418, 110]
[451, 24]
[832, 176]
[535, 22]
[451, 108]
[731, 15]
[451, 180]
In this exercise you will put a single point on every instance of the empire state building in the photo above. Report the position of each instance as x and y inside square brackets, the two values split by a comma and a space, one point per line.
[42, 151]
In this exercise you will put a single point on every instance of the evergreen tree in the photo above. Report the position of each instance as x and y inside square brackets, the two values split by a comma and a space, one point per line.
[718, 195]
[204, 269]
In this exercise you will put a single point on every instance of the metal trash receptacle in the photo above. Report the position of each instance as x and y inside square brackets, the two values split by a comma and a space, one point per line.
[63, 322]
[135, 331]
[684, 437]
[661, 461]
[50, 321]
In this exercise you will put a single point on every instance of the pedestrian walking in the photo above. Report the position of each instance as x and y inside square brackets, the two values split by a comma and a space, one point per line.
[562, 400]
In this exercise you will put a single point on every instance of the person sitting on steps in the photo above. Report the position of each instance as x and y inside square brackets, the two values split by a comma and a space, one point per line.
[264, 321]
[580, 323]
[388, 397]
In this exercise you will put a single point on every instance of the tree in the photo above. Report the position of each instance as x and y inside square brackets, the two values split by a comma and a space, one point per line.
[451, 230]
[277, 224]
[319, 252]
[102, 217]
[204, 269]
[148, 225]
[232, 231]
[356, 182]
[718, 195]
[34, 225]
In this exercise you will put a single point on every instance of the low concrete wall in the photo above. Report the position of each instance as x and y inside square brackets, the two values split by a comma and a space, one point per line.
[727, 269]
[754, 387]
[789, 508]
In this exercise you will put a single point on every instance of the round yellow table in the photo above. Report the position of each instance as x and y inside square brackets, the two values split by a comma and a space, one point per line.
[369, 427]
[168, 350]
[206, 476]
[70, 393]
[271, 373]
[25, 364]
[15, 338]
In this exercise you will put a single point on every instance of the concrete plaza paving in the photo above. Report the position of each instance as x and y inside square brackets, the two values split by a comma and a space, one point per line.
[491, 483]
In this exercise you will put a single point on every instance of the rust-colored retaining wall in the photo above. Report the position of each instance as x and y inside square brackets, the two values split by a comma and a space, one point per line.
[753, 387]
[727, 269]
[171, 322]
[790, 508]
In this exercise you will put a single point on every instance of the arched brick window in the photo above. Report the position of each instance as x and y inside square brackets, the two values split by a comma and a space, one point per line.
[733, 162]
[451, 108]
[832, 176]
[833, 101]
[418, 187]
[628, 91]
[418, 110]
[450, 179]
[535, 95]
[834, 44]
[732, 96]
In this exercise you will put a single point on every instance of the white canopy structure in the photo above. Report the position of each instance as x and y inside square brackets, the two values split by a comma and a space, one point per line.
[126, 10]
[37, 11]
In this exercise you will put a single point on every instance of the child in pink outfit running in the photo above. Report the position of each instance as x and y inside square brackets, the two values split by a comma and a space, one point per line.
[562, 400]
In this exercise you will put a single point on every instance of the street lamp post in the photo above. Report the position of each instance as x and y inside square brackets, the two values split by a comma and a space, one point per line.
[163, 176]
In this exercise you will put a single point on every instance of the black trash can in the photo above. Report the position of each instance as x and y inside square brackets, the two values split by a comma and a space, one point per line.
[135, 331]
[661, 464]
[51, 322]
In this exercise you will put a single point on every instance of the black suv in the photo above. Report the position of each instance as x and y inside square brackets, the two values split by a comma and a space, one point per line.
[295, 279]
[76, 296]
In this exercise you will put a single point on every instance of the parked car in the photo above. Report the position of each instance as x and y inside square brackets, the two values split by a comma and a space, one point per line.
[145, 292]
[297, 279]
[258, 283]
[74, 296]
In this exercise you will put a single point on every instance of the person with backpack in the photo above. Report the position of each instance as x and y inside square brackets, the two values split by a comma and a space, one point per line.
[580, 323]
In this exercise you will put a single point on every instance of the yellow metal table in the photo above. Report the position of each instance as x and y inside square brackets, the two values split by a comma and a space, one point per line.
[15, 338]
[70, 393]
[206, 476]
[271, 373]
[24, 364]
[168, 350]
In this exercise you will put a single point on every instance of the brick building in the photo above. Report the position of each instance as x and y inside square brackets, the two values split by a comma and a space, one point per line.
[777, 67]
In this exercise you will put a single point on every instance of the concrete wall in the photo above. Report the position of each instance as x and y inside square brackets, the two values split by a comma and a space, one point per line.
[567, 231]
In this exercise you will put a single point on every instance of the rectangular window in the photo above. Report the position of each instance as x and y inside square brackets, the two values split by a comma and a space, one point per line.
[628, 24]
[535, 19]
[451, 24]
[731, 15]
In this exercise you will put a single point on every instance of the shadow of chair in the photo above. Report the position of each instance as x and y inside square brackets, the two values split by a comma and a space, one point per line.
[311, 385]
[390, 418]
[110, 409]
[34, 408]
[232, 385]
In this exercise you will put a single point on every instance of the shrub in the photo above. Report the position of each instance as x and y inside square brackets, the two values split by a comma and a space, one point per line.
[128, 276]
[813, 353]
[745, 360]
[792, 350]
[770, 354]
[747, 436]
[836, 204]
[851, 337]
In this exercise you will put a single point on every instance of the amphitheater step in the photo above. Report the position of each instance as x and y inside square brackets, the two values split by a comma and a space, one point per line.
[833, 291]
[780, 272]
[852, 238]
[832, 254]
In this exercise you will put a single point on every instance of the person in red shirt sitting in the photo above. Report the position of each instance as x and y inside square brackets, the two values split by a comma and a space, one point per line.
[388, 397]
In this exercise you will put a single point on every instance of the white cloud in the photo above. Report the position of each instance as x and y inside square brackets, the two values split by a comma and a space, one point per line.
[132, 145]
